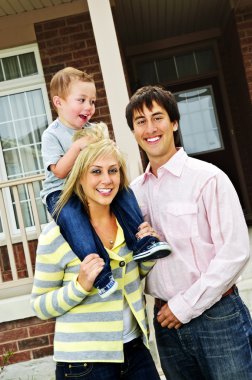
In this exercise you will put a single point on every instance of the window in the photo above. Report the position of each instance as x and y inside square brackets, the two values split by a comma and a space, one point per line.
[24, 115]
[18, 66]
[171, 68]
[199, 125]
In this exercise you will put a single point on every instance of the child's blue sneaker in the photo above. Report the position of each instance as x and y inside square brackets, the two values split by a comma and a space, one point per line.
[108, 289]
[157, 250]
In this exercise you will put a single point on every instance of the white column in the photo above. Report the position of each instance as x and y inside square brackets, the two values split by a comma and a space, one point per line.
[114, 81]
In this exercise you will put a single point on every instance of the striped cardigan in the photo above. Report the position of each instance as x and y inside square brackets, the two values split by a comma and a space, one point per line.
[88, 328]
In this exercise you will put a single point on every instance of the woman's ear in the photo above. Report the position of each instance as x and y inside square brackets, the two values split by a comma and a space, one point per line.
[56, 101]
[175, 126]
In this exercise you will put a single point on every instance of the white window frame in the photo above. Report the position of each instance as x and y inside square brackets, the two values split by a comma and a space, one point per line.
[218, 128]
[15, 86]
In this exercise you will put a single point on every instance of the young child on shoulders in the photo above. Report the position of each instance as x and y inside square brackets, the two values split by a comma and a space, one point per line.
[73, 95]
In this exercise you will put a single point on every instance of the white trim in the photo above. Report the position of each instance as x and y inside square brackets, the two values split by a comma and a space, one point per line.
[19, 50]
[15, 308]
[114, 81]
[15, 86]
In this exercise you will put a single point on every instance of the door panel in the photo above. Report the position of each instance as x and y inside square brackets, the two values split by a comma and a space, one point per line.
[222, 155]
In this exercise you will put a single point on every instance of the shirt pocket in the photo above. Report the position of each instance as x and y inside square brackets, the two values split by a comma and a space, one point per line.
[179, 219]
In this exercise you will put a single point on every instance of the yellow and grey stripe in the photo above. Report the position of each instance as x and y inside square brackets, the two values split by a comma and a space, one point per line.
[88, 328]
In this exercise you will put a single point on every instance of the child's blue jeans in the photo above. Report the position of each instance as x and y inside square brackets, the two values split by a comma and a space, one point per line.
[77, 230]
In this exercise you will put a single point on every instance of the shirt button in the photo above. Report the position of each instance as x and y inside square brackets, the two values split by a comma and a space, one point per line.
[122, 264]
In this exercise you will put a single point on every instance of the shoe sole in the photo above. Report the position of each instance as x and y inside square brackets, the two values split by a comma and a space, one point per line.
[160, 254]
[111, 290]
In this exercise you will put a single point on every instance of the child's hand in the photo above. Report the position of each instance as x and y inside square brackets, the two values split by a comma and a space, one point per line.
[82, 142]
[90, 267]
[145, 229]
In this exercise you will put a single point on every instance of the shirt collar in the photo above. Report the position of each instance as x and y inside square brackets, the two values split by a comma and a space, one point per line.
[174, 165]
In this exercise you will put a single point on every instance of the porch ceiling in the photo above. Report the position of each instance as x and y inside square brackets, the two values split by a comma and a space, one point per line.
[141, 21]
[12, 7]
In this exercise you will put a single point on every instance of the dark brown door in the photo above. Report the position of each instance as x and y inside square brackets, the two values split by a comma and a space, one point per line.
[223, 156]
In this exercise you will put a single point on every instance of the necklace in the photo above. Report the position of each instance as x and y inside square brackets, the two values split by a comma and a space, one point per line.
[106, 230]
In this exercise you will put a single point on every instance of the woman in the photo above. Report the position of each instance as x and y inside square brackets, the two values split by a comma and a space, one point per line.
[95, 338]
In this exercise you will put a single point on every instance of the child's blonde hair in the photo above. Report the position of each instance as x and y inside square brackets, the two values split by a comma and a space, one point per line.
[100, 145]
[60, 82]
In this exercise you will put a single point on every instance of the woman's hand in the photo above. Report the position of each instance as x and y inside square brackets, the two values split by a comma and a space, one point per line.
[145, 229]
[90, 267]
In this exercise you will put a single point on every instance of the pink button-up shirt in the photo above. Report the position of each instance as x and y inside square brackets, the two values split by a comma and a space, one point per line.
[193, 206]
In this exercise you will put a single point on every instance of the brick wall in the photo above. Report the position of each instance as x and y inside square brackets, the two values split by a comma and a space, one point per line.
[27, 339]
[243, 17]
[244, 26]
[69, 41]
[20, 261]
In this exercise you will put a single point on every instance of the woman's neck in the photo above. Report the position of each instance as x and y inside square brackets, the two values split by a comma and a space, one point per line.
[104, 224]
[98, 212]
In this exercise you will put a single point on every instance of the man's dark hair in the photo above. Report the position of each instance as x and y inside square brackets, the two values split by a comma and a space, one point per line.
[145, 96]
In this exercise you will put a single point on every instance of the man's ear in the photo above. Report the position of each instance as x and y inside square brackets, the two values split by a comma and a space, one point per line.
[175, 126]
[56, 101]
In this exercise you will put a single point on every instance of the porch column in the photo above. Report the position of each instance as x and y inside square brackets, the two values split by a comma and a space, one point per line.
[114, 81]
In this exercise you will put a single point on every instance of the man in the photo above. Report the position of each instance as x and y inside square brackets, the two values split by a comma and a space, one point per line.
[203, 329]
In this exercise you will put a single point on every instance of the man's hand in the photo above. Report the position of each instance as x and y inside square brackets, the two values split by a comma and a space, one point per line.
[167, 319]
[145, 229]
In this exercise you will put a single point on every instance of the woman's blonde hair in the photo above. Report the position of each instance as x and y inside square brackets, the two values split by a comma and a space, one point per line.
[100, 146]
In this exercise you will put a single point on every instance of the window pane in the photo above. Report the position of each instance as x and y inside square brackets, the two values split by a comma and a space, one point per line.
[18, 106]
[28, 64]
[12, 163]
[23, 132]
[29, 160]
[146, 74]
[35, 102]
[41, 163]
[39, 125]
[11, 68]
[43, 217]
[205, 61]
[1, 73]
[5, 113]
[186, 65]
[7, 135]
[25, 204]
[25, 207]
[199, 126]
[166, 70]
